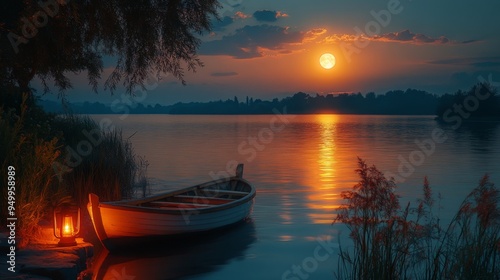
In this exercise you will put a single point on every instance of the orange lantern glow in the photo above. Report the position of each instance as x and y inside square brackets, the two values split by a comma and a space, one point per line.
[66, 223]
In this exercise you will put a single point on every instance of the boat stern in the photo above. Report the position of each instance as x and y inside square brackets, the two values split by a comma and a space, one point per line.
[95, 216]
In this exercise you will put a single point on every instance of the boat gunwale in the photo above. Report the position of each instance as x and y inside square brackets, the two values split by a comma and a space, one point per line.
[132, 205]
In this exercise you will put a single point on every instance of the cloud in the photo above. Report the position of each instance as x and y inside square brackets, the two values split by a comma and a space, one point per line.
[241, 15]
[313, 34]
[252, 41]
[268, 16]
[263, 40]
[337, 38]
[223, 74]
[471, 41]
[218, 25]
[406, 36]
[280, 14]
[478, 62]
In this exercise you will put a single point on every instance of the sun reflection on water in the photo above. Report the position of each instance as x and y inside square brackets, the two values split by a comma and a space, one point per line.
[323, 196]
[327, 150]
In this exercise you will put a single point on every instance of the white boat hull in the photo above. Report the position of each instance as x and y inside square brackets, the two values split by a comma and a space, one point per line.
[200, 208]
[139, 224]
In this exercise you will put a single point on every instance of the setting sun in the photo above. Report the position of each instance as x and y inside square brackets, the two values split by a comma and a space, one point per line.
[327, 60]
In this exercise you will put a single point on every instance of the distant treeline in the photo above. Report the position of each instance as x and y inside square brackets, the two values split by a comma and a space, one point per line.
[393, 102]
[481, 100]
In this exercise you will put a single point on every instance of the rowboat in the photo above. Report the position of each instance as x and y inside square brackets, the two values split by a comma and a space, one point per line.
[200, 208]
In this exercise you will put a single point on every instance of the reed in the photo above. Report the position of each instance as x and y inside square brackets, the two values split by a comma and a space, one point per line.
[32, 157]
[470, 247]
[109, 170]
[392, 242]
[33, 142]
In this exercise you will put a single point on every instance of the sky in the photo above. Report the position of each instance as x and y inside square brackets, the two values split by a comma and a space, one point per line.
[271, 49]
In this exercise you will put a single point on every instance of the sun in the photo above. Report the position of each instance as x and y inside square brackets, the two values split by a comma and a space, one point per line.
[327, 60]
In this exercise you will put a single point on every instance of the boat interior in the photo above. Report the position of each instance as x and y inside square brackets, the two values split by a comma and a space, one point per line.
[200, 197]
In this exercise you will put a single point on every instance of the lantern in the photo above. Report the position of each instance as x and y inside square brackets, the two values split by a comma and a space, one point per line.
[66, 223]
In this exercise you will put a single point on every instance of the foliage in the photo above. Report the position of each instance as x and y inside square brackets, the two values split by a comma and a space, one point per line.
[394, 243]
[110, 169]
[473, 247]
[396, 102]
[32, 158]
[36, 121]
[488, 102]
[380, 234]
[392, 103]
[51, 39]
[76, 36]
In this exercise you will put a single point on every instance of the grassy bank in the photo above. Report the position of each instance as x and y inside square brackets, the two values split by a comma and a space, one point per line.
[59, 156]
[395, 242]
[96, 160]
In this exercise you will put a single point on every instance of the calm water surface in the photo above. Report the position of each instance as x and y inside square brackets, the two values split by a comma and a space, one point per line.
[299, 165]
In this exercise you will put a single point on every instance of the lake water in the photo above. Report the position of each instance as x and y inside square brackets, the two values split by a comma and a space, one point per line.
[299, 165]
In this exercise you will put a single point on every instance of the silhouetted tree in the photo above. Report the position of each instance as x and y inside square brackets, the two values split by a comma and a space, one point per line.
[481, 101]
[51, 38]
[409, 102]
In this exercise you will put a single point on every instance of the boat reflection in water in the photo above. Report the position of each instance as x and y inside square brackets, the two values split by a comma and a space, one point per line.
[178, 258]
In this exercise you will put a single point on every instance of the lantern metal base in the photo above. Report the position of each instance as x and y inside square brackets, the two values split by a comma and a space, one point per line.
[66, 241]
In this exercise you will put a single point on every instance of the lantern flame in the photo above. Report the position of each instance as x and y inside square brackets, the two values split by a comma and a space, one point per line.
[67, 226]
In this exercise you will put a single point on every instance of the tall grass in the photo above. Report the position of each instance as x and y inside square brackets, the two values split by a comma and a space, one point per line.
[32, 157]
[110, 170]
[391, 242]
[34, 142]
[472, 250]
